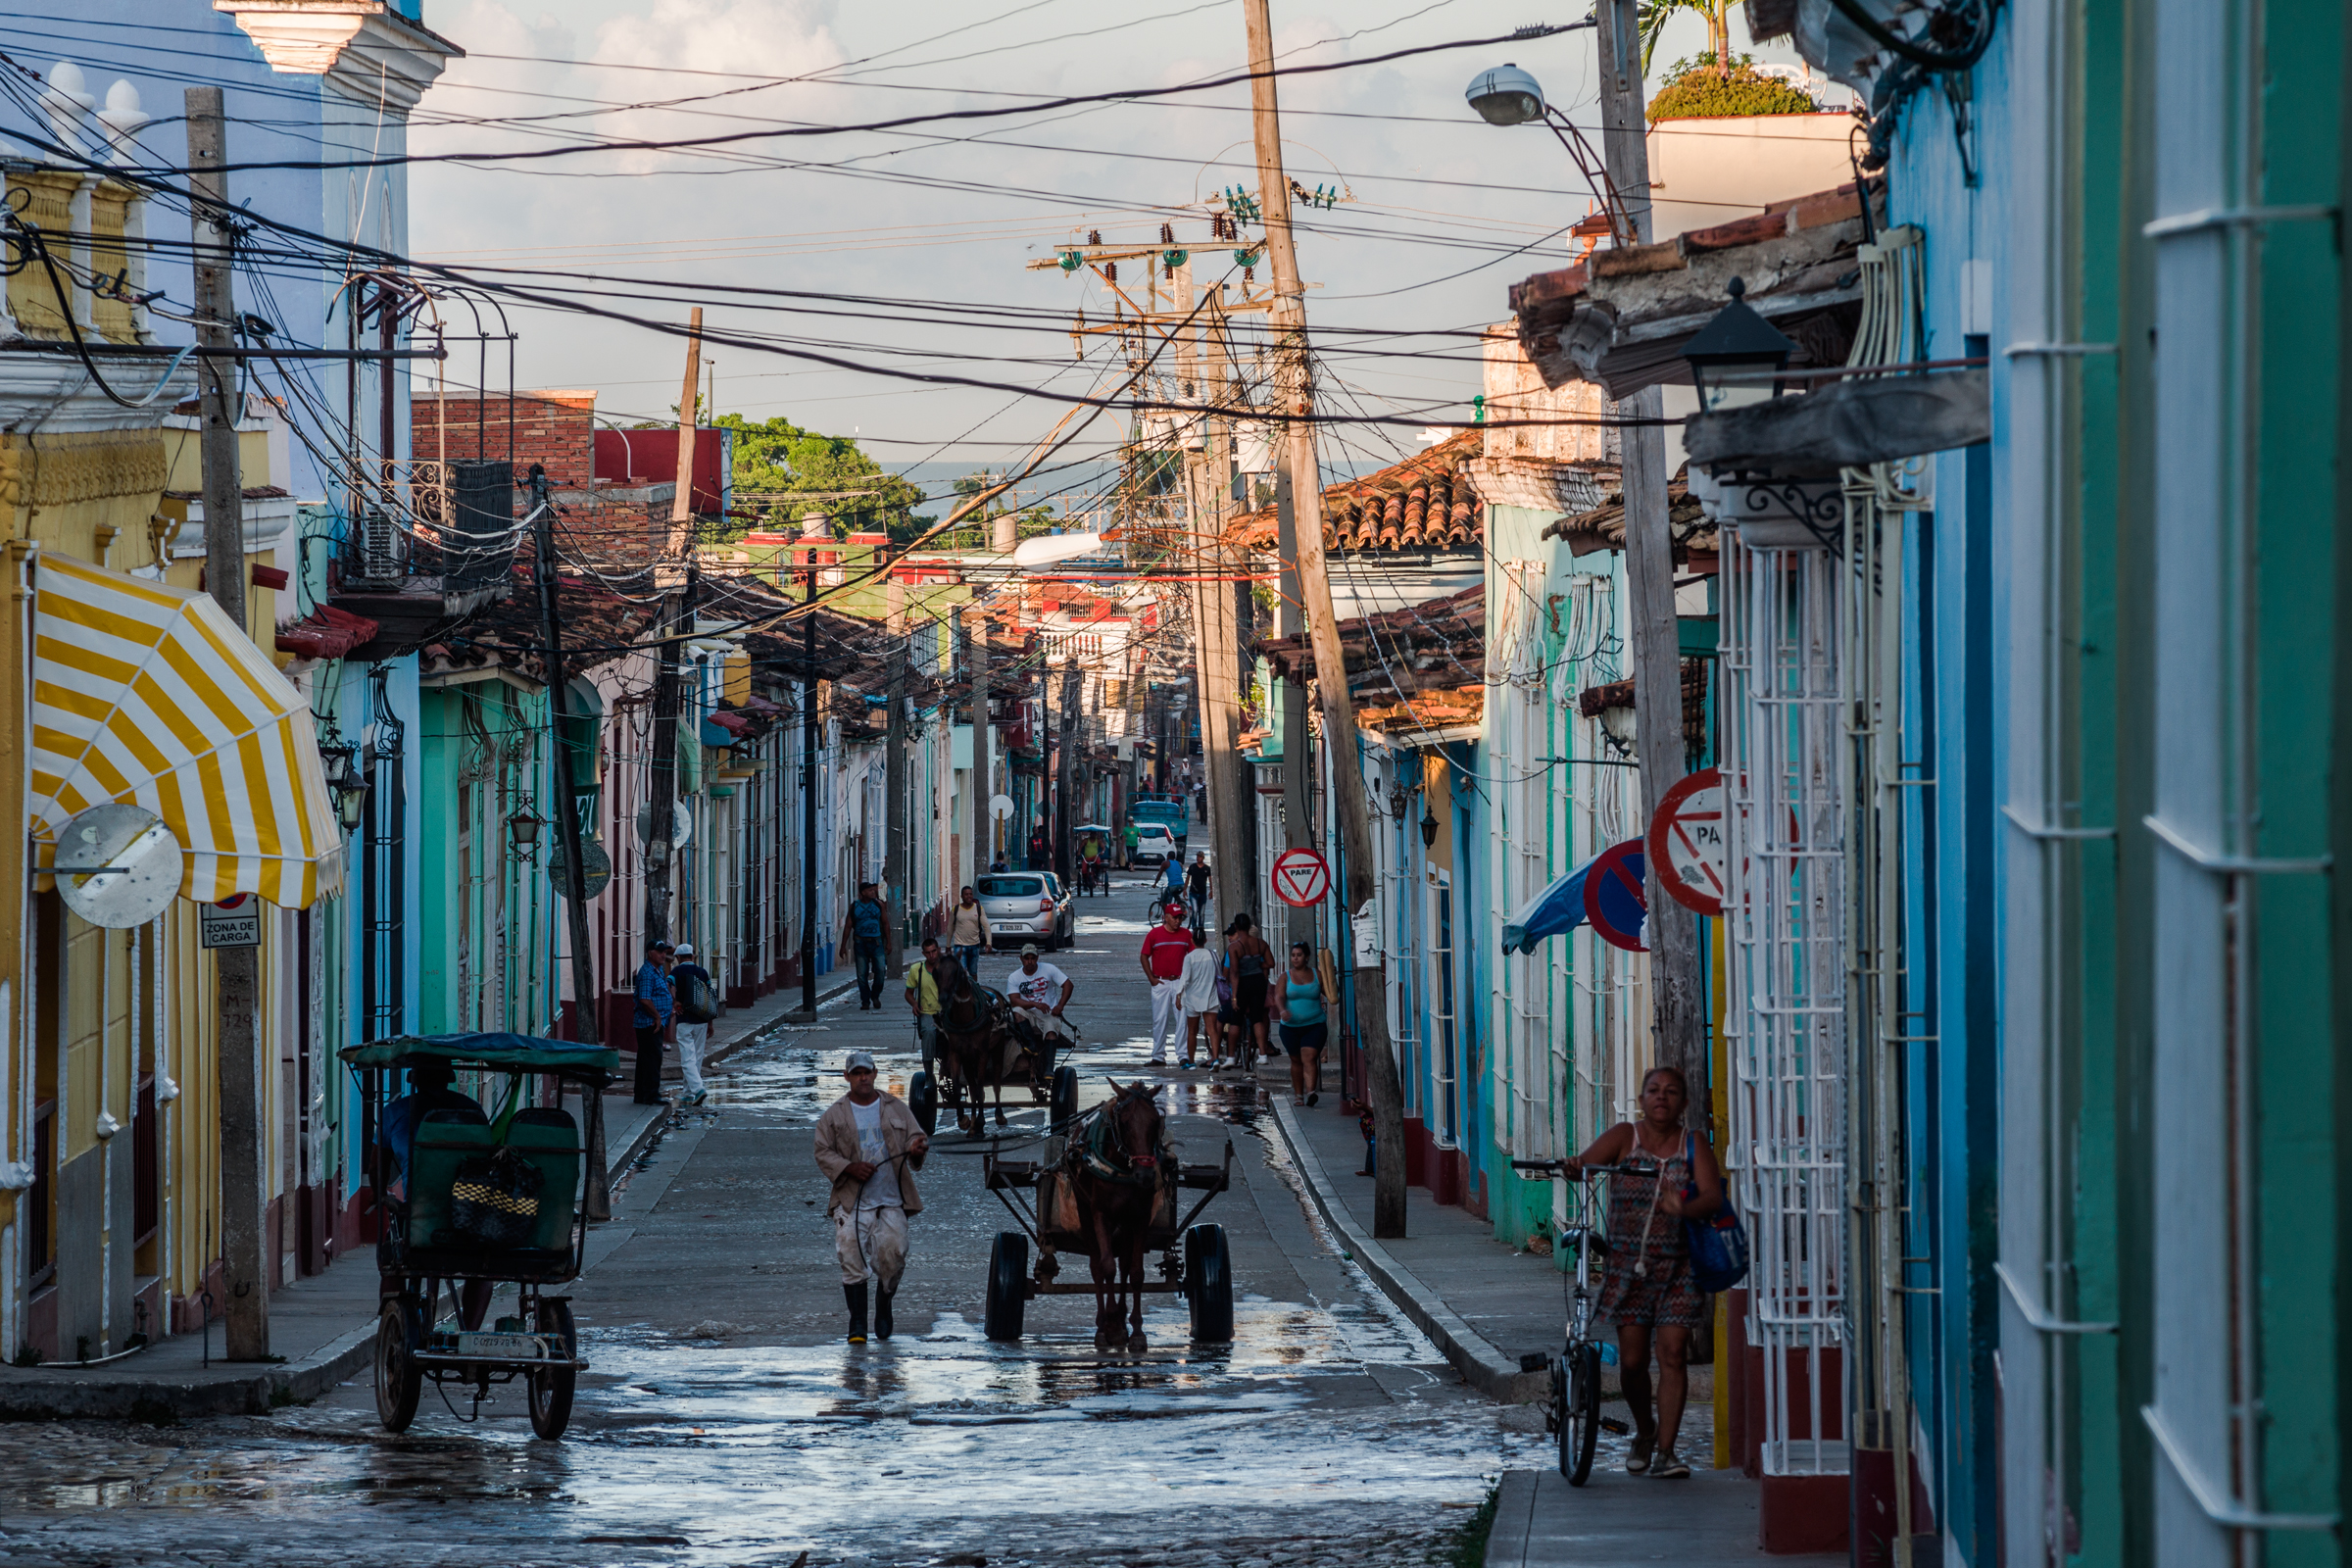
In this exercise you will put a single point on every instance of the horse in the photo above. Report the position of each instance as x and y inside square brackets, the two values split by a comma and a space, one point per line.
[1115, 1175]
[981, 1045]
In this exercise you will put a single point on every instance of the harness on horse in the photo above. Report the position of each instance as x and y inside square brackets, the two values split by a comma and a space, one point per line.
[1090, 1151]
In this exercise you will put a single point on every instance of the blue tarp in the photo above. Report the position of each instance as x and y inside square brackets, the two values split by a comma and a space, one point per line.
[1558, 907]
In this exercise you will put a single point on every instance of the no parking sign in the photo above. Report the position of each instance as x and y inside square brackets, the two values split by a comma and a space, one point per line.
[1688, 841]
[1613, 898]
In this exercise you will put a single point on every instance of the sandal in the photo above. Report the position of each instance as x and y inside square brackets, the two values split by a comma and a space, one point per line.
[1668, 1468]
[1639, 1461]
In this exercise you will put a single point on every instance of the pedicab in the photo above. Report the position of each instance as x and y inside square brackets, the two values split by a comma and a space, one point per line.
[494, 1197]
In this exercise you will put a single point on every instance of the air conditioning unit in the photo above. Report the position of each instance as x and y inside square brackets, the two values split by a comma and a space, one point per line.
[377, 546]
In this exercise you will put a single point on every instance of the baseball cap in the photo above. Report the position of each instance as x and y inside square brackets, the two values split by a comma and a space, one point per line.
[685, 949]
[1029, 950]
[857, 1059]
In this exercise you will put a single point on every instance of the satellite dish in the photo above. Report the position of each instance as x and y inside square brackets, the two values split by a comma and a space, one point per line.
[116, 866]
[596, 871]
[999, 806]
[681, 825]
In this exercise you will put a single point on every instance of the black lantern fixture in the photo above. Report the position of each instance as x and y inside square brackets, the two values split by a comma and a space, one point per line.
[1429, 827]
[349, 784]
[522, 832]
[1398, 803]
[1736, 357]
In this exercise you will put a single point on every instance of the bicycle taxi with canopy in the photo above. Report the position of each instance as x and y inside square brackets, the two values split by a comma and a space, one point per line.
[489, 1197]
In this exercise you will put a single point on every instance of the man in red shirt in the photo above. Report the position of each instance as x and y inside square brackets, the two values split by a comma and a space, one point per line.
[1164, 948]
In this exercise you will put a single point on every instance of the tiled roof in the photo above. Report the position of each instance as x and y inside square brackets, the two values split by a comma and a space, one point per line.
[1436, 645]
[599, 627]
[1426, 503]
[1603, 526]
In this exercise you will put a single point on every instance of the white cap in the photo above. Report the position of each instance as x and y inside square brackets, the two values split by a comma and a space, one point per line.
[685, 949]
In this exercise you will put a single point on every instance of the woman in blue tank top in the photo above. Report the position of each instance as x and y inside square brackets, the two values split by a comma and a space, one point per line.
[1303, 1028]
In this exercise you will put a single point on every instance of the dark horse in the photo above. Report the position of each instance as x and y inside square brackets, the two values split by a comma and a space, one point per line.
[981, 1047]
[1113, 1166]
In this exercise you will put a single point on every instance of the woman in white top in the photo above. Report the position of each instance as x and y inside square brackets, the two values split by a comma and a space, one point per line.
[1199, 1000]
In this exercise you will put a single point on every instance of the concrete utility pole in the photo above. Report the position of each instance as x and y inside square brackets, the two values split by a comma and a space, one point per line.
[591, 1015]
[1218, 673]
[1354, 881]
[681, 506]
[244, 1201]
[1672, 931]
[1298, 749]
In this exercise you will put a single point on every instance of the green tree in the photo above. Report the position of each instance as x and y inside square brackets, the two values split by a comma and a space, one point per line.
[776, 457]
[1702, 88]
[1655, 14]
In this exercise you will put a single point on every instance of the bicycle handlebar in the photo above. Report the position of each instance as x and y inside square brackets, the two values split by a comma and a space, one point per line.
[1569, 1167]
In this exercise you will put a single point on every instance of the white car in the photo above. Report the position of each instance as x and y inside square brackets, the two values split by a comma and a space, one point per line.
[1153, 842]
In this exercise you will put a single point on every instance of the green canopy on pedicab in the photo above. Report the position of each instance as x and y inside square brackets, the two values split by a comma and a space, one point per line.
[500, 1052]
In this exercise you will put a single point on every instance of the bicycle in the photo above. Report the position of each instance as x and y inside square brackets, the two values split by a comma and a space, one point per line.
[1574, 1410]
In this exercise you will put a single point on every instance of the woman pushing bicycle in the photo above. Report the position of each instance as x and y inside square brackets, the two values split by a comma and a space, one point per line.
[1647, 1289]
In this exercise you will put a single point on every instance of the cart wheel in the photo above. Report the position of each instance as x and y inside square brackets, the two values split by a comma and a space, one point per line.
[1007, 1286]
[923, 1098]
[399, 1380]
[549, 1390]
[1208, 1284]
[1062, 1106]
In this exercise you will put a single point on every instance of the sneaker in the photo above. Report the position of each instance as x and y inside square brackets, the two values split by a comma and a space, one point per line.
[1638, 1461]
[1310, 1098]
[1666, 1467]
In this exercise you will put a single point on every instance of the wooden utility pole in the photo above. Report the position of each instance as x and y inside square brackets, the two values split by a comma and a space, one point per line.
[1297, 746]
[1217, 671]
[1671, 930]
[1354, 880]
[894, 805]
[811, 780]
[589, 1018]
[677, 620]
[983, 741]
[681, 506]
[244, 1199]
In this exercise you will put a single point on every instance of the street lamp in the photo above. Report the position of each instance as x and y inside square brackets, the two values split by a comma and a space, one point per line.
[522, 832]
[1736, 359]
[1429, 828]
[1506, 96]
[350, 787]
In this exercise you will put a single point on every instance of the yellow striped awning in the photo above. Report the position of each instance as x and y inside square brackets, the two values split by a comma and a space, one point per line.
[152, 695]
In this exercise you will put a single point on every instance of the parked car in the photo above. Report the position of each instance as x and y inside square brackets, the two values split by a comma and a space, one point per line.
[1028, 906]
[1154, 842]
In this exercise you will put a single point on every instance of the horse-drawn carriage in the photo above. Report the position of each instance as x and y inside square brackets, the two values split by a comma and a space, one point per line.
[1109, 1187]
[986, 1043]
[487, 1199]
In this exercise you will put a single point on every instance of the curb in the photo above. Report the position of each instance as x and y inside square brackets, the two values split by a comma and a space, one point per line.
[1482, 1366]
[163, 1399]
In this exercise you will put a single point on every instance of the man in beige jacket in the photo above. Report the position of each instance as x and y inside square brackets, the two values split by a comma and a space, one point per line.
[869, 1146]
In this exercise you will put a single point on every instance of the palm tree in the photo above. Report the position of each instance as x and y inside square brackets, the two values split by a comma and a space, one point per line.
[1655, 14]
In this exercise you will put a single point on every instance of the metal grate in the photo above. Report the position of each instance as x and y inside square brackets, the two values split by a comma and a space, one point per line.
[1787, 756]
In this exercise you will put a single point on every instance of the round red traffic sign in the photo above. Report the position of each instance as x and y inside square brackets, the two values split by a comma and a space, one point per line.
[1300, 878]
[1613, 899]
[1688, 841]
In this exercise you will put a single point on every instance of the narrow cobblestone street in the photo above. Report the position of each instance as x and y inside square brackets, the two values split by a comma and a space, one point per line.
[725, 1421]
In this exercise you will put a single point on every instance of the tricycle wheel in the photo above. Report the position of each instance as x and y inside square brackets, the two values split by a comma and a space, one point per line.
[399, 1380]
[550, 1389]
[1063, 1102]
[923, 1098]
[1007, 1286]
[1208, 1284]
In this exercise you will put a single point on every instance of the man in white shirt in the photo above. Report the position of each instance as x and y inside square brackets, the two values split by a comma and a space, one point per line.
[869, 1146]
[1037, 986]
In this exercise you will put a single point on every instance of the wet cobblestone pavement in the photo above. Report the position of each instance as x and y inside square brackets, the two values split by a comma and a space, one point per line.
[725, 1421]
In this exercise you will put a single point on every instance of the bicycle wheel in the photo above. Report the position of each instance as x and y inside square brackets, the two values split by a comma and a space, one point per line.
[1580, 1426]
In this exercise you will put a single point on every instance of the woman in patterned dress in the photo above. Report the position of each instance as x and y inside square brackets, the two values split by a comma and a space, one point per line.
[1647, 1289]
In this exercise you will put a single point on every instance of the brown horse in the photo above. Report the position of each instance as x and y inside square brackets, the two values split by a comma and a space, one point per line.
[1113, 1166]
[982, 1049]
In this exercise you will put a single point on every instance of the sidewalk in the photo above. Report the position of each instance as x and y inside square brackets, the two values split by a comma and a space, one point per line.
[1543, 1522]
[1484, 1306]
[321, 1328]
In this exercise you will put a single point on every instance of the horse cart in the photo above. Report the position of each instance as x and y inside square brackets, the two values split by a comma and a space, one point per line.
[986, 1043]
[489, 1198]
[1072, 1201]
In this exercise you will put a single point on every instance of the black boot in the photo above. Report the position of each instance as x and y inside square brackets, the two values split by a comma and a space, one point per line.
[856, 1299]
[882, 1323]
